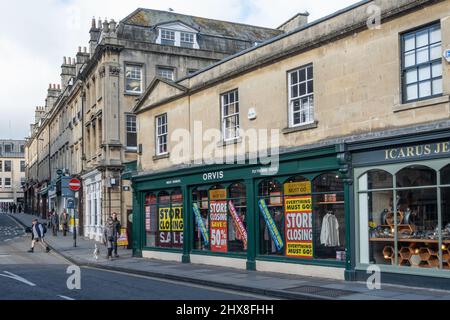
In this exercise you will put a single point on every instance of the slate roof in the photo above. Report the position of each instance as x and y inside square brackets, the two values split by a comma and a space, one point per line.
[151, 18]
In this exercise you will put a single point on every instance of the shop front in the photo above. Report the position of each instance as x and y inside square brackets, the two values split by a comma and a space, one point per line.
[402, 210]
[294, 221]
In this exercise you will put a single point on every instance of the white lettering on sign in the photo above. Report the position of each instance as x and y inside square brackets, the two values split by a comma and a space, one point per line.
[213, 176]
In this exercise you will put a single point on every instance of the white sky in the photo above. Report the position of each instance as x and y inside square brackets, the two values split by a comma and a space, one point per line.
[35, 35]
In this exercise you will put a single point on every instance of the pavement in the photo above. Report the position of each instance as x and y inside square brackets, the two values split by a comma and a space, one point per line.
[270, 285]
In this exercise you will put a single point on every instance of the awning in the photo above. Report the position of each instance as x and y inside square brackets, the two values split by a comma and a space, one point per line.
[6, 200]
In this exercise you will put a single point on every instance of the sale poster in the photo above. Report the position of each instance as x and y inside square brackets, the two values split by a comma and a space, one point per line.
[170, 227]
[238, 225]
[298, 227]
[148, 225]
[219, 226]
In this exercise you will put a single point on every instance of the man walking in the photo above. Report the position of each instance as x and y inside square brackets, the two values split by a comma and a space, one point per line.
[37, 235]
[55, 223]
[65, 222]
[117, 227]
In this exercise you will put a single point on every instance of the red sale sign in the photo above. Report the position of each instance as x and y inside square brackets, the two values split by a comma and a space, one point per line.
[219, 226]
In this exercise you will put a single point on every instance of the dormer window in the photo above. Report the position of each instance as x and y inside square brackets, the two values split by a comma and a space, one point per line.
[167, 37]
[187, 40]
[177, 34]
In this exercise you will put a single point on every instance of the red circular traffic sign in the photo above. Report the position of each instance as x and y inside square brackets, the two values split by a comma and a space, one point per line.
[74, 184]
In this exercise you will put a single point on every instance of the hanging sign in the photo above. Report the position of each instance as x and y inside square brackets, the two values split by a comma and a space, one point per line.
[219, 194]
[298, 227]
[219, 226]
[274, 233]
[296, 188]
[238, 225]
[201, 224]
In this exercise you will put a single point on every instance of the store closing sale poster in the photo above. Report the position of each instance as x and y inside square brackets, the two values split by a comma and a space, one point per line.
[298, 227]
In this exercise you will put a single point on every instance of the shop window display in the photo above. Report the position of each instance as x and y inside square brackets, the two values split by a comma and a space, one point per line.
[164, 219]
[151, 219]
[403, 219]
[272, 220]
[303, 219]
[220, 218]
[329, 218]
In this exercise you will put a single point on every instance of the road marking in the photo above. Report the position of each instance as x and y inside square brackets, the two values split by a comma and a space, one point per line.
[66, 298]
[18, 278]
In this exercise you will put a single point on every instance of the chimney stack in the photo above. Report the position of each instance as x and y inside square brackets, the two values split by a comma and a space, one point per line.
[68, 71]
[81, 59]
[94, 35]
[53, 93]
[297, 21]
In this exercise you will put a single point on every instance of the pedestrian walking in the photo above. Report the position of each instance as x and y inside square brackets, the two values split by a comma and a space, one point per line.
[64, 222]
[117, 227]
[38, 236]
[55, 223]
[110, 237]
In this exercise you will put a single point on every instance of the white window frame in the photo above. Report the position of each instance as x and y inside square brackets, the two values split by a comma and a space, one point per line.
[226, 116]
[168, 35]
[305, 111]
[134, 76]
[8, 186]
[162, 131]
[165, 70]
[131, 127]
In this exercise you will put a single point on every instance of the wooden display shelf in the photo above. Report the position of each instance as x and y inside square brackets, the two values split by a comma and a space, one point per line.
[408, 240]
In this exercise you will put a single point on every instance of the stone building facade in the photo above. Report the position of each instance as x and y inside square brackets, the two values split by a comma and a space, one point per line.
[90, 125]
[361, 116]
[12, 171]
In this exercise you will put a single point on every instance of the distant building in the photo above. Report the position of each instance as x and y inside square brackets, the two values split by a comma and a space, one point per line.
[12, 170]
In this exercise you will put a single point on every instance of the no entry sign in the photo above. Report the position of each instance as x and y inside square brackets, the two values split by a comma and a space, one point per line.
[74, 184]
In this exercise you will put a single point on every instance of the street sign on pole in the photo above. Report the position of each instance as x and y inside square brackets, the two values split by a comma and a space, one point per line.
[74, 184]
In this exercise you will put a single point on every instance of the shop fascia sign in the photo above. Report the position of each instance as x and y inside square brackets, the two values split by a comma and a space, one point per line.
[405, 153]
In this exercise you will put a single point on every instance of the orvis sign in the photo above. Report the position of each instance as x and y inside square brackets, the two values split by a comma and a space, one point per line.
[404, 153]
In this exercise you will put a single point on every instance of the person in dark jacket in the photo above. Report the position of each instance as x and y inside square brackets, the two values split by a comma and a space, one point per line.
[110, 237]
[38, 235]
[117, 227]
[55, 223]
[65, 219]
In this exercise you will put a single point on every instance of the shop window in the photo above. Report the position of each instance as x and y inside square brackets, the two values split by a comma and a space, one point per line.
[329, 217]
[151, 225]
[200, 202]
[237, 212]
[445, 175]
[403, 222]
[220, 218]
[416, 176]
[164, 219]
[303, 219]
[379, 179]
[270, 202]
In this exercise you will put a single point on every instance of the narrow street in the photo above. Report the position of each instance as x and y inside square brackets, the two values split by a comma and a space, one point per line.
[42, 276]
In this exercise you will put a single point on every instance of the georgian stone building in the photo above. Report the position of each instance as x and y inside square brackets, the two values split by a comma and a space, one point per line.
[12, 171]
[363, 173]
[90, 125]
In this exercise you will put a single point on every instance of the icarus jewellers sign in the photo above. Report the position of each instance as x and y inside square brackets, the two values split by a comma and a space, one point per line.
[404, 153]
